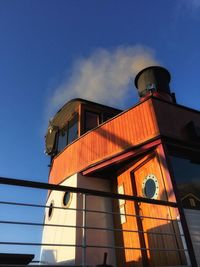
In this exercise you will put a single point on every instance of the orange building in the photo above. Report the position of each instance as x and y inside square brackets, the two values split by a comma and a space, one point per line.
[151, 152]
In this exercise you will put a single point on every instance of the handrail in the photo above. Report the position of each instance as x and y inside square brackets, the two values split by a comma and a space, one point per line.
[89, 246]
[86, 193]
[86, 210]
[40, 185]
[89, 228]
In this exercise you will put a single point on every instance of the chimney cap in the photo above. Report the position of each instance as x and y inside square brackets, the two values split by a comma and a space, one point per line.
[155, 69]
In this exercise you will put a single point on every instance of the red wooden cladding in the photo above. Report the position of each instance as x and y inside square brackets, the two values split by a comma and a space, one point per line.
[161, 241]
[128, 239]
[132, 180]
[128, 129]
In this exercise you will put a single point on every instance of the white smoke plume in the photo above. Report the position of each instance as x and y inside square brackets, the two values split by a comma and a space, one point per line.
[104, 76]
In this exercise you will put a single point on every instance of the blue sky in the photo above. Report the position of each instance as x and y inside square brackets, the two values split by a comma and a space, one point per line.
[51, 51]
[41, 41]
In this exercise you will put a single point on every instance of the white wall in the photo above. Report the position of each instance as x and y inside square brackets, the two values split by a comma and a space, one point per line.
[100, 220]
[73, 255]
[58, 235]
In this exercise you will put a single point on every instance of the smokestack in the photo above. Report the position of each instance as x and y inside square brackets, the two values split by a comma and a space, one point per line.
[154, 80]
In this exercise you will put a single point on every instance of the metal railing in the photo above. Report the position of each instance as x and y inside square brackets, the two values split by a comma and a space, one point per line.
[84, 229]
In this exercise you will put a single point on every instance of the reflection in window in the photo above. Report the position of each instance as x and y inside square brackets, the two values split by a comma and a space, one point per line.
[187, 176]
[91, 120]
[192, 202]
[107, 116]
[68, 134]
[73, 130]
[62, 139]
[50, 211]
[150, 186]
[67, 199]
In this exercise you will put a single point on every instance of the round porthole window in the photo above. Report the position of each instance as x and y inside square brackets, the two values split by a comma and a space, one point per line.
[150, 186]
[67, 198]
[50, 212]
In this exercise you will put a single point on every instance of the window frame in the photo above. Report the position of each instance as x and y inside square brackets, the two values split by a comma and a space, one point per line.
[70, 199]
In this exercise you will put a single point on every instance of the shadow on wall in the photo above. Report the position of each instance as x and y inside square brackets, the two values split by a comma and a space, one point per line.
[162, 248]
[108, 135]
[166, 237]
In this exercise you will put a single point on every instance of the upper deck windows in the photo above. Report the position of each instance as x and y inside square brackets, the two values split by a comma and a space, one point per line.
[73, 120]
[62, 139]
[67, 134]
[72, 129]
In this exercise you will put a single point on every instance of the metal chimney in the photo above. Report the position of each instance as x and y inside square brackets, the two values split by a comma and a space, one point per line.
[154, 80]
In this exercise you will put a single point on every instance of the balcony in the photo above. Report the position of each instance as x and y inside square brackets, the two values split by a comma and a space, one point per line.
[101, 236]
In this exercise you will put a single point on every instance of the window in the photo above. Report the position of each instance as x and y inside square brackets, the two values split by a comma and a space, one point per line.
[62, 139]
[91, 120]
[107, 116]
[50, 211]
[68, 134]
[192, 202]
[67, 198]
[73, 129]
[150, 186]
[187, 176]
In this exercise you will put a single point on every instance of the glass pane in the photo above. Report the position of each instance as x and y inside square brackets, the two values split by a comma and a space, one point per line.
[50, 212]
[150, 188]
[91, 120]
[187, 176]
[73, 130]
[66, 199]
[107, 116]
[62, 140]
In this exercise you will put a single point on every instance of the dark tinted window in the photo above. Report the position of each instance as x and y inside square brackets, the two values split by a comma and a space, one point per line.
[150, 188]
[62, 139]
[68, 134]
[50, 212]
[187, 176]
[73, 129]
[107, 116]
[91, 120]
[67, 199]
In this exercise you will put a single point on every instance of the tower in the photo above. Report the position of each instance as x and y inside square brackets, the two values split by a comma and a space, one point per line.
[151, 152]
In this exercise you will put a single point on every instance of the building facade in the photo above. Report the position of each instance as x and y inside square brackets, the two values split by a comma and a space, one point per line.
[151, 152]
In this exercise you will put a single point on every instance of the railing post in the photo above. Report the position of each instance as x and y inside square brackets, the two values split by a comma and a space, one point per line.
[84, 241]
[187, 238]
[180, 208]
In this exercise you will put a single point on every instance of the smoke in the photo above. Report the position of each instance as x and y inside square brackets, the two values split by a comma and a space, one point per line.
[104, 76]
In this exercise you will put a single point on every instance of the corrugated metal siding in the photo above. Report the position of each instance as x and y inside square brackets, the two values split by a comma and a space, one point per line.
[128, 129]
[193, 220]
